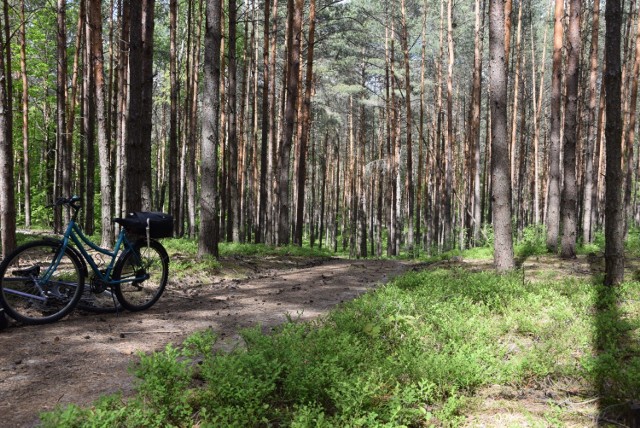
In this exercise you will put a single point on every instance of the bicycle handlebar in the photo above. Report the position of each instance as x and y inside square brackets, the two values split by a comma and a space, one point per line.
[72, 201]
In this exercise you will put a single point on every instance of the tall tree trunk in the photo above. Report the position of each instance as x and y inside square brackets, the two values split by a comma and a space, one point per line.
[7, 195]
[474, 133]
[121, 134]
[148, 23]
[209, 235]
[614, 211]
[233, 210]
[264, 142]
[407, 84]
[174, 181]
[631, 129]
[536, 125]
[26, 169]
[72, 98]
[306, 124]
[449, 147]
[294, 37]
[63, 167]
[192, 150]
[516, 91]
[500, 174]
[553, 204]
[88, 128]
[587, 225]
[95, 41]
[134, 152]
[570, 191]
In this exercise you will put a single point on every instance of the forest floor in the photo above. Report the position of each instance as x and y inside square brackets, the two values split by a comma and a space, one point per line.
[84, 356]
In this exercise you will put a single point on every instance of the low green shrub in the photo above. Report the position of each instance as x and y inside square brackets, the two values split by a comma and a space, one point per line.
[412, 353]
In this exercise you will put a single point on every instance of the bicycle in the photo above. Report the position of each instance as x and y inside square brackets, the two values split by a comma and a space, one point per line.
[44, 280]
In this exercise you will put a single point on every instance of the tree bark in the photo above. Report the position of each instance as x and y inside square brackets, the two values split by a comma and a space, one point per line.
[449, 147]
[294, 37]
[174, 182]
[25, 119]
[409, 172]
[134, 151]
[474, 126]
[88, 124]
[306, 124]
[500, 173]
[209, 235]
[7, 195]
[587, 208]
[264, 144]
[537, 216]
[63, 166]
[570, 191]
[614, 230]
[630, 137]
[95, 40]
[553, 204]
[233, 210]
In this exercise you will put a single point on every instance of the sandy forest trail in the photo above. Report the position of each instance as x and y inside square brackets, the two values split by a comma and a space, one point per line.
[87, 355]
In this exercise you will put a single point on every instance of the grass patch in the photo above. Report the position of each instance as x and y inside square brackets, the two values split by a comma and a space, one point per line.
[415, 352]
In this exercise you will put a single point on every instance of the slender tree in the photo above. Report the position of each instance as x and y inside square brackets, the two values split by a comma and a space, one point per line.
[294, 36]
[63, 154]
[409, 172]
[233, 210]
[553, 204]
[570, 191]
[95, 41]
[26, 168]
[500, 173]
[474, 125]
[588, 206]
[209, 235]
[7, 192]
[614, 211]
[264, 142]
[134, 151]
[306, 124]
[631, 132]
[450, 145]
[174, 182]
[146, 124]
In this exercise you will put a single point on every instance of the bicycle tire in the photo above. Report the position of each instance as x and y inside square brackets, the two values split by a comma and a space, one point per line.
[141, 259]
[19, 294]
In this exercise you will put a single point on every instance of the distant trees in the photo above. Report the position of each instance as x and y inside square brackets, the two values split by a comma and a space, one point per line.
[343, 124]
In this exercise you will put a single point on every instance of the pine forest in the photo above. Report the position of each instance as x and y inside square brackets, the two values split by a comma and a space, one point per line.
[377, 128]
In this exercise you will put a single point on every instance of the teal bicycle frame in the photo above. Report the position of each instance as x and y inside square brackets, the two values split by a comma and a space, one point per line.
[75, 234]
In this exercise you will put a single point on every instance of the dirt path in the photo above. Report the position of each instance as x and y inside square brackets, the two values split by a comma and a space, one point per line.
[86, 355]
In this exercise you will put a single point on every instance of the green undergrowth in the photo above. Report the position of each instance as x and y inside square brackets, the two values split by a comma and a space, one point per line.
[415, 352]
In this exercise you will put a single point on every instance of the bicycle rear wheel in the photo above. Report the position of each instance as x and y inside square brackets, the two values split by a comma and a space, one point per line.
[150, 262]
[24, 293]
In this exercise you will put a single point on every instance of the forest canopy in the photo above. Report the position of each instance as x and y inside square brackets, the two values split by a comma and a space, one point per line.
[366, 125]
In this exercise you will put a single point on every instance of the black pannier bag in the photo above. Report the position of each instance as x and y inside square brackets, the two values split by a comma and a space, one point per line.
[160, 224]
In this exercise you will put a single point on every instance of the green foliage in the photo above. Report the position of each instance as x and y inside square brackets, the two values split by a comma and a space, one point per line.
[533, 242]
[412, 353]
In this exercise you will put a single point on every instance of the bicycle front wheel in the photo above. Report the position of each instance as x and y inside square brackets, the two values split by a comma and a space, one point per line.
[39, 285]
[145, 268]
